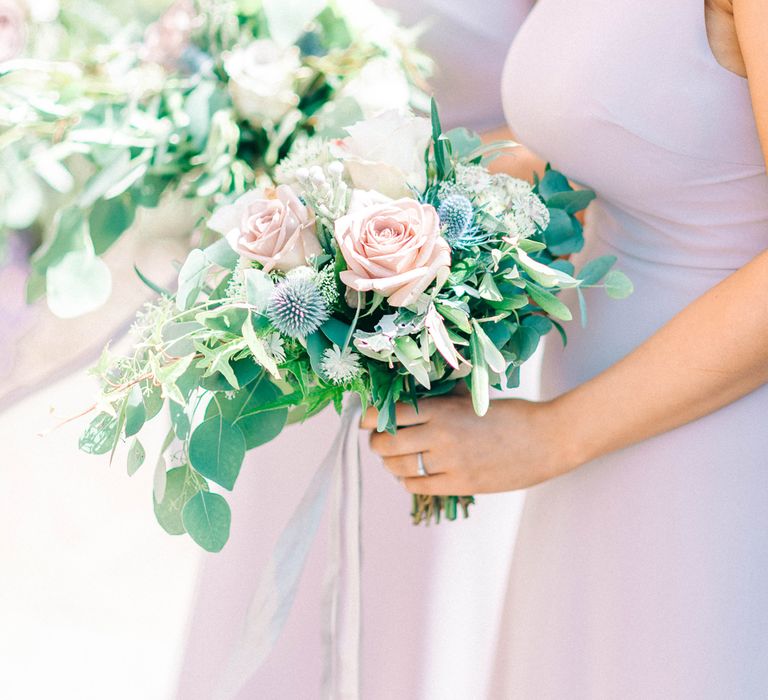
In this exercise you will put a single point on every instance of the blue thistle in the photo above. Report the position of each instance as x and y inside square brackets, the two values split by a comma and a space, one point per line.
[455, 214]
[297, 308]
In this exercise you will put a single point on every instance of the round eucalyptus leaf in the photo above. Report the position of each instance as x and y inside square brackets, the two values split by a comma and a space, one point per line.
[618, 285]
[243, 411]
[79, 283]
[135, 412]
[180, 486]
[136, 456]
[206, 517]
[100, 436]
[217, 450]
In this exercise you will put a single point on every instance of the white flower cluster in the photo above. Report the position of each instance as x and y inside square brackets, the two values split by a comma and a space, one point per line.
[325, 190]
[306, 151]
[340, 366]
[508, 199]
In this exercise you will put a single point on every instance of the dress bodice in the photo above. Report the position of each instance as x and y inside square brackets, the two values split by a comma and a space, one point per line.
[627, 98]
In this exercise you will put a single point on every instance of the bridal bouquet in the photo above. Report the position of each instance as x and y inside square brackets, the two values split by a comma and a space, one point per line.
[390, 264]
[203, 102]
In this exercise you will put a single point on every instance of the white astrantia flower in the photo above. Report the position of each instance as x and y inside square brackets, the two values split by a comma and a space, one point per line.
[473, 179]
[340, 366]
[275, 347]
[306, 151]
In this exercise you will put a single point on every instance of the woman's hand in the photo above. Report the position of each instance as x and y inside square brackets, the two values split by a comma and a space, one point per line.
[515, 445]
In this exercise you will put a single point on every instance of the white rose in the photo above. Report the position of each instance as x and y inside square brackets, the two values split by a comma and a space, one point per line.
[380, 85]
[261, 81]
[386, 153]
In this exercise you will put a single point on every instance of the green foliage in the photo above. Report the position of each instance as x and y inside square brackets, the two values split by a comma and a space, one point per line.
[206, 517]
[181, 485]
[217, 450]
[101, 435]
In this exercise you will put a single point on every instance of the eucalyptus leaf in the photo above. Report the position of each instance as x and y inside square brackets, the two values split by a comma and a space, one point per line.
[135, 413]
[136, 456]
[596, 269]
[618, 285]
[245, 410]
[77, 284]
[207, 518]
[108, 220]
[191, 278]
[100, 436]
[217, 450]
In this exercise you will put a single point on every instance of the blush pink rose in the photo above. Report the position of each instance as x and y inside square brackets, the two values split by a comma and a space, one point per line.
[13, 29]
[393, 247]
[274, 228]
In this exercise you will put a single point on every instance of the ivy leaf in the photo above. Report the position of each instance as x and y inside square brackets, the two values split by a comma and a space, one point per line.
[217, 450]
[245, 370]
[258, 348]
[207, 517]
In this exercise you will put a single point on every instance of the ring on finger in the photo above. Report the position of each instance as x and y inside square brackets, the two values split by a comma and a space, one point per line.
[421, 470]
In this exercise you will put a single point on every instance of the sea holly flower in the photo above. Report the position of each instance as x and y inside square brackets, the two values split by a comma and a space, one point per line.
[273, 227]
[297, 308]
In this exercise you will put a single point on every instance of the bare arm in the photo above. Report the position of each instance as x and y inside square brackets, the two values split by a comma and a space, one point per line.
[696, 369]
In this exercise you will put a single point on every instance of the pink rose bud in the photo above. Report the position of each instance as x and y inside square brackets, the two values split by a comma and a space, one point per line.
[392, 247]
[274, 228]
[166, 39]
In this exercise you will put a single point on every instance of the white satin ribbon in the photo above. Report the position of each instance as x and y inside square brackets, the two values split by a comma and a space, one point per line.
[269, 608]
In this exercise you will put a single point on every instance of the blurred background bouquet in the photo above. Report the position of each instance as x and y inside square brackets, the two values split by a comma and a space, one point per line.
[102, 114]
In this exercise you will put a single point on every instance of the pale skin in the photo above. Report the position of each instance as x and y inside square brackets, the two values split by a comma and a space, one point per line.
[522, 443]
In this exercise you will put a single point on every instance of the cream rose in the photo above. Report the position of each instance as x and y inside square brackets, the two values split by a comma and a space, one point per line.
[386, 153]
[393, 247]
[261, 80]
[13, 29]
[274, 228]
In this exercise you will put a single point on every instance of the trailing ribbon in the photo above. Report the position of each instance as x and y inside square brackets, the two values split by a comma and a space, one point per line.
[271, 604]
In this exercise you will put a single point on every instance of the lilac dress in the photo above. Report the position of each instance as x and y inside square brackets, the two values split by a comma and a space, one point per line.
[644, 574]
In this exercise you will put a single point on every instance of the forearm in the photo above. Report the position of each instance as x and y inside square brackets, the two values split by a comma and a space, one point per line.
[705, 358]
[518, 162]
